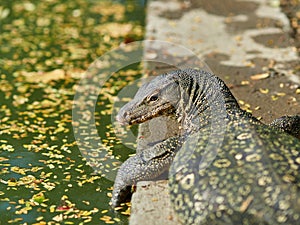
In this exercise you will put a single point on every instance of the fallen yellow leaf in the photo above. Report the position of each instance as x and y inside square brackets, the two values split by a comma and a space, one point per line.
[260, 76]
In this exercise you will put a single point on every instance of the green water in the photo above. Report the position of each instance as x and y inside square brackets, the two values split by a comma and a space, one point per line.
[45, 47]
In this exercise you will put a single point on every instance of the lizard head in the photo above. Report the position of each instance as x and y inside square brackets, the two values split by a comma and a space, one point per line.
[155, 98]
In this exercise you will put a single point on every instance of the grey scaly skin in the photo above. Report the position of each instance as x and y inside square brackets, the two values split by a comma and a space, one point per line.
[226, 167]
[288, 124]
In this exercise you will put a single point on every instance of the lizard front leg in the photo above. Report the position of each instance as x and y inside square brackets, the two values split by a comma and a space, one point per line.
[144, 166]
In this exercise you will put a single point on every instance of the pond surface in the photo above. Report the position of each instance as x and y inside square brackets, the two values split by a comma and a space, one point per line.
[45, 48]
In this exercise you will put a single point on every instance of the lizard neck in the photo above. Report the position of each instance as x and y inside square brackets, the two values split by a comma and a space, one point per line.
[204, 97]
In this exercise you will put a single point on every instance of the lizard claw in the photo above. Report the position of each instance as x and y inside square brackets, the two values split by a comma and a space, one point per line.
[120, 196]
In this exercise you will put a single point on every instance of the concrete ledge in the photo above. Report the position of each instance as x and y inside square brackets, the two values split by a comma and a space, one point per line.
[151, 205]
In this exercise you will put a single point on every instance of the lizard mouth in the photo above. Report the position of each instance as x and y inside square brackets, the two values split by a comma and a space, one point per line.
[140, 116]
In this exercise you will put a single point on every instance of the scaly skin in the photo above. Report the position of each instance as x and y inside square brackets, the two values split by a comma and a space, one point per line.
[288, 124]
[226, 168]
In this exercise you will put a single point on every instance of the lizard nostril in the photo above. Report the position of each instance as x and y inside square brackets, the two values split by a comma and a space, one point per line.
[121, 117]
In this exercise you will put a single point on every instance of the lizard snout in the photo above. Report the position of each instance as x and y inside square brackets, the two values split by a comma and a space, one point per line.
[121, 118]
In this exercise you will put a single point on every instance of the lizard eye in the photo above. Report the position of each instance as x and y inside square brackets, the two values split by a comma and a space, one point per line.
[153, 98]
